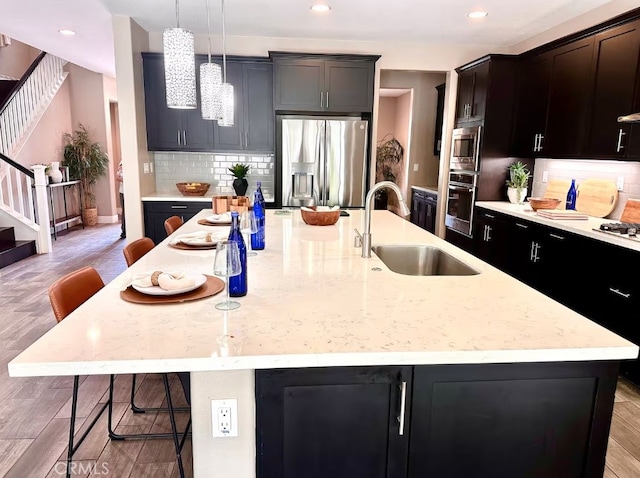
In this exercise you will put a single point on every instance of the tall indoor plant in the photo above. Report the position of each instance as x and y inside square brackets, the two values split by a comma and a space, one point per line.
[87, 162]
[517, 182]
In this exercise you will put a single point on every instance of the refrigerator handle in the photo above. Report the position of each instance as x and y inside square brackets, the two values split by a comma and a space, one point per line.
[321, 144]
[325, 158]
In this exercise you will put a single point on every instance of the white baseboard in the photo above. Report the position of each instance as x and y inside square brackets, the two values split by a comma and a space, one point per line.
[108, 219]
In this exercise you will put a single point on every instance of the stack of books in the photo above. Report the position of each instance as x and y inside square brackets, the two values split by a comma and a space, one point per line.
[562, 214]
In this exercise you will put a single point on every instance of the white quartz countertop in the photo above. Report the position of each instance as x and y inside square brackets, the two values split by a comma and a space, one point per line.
[428, 189]
[177, 196]
[581, 227]
[313, 301]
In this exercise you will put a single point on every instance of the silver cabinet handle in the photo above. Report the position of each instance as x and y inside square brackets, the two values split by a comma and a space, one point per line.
[540, 138]
[322, 100]
[327, 100]
[620, 147]
[403, 406]
[179, 137]
[184, 137]
[555, 236]
[246, 139]
[522, 226]
[535, 143]
[531, 251]
[489, 216]
[488, 233]
[617, 291]
[178, 207]
[484, 234]
[458, 188]
[536, 256]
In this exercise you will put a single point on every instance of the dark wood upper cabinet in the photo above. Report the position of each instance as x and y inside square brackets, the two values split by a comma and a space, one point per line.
[615, 74]
[534, 79]
[568, 99]
[231, 138]
[473, 85]
[323, 83]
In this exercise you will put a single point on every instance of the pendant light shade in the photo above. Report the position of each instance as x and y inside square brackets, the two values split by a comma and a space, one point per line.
[210, 91]
[210, 82]
[179, 67]
[228, 105]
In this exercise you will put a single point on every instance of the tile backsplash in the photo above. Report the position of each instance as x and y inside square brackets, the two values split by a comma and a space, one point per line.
[583, 169]
[172, 168]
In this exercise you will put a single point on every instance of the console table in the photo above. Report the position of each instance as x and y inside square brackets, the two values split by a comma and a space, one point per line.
[66, 219]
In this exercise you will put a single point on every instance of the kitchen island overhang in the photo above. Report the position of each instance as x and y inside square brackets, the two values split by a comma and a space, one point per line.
[314, 302]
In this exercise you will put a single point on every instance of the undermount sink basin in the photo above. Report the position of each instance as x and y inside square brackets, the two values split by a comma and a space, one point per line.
[421, 260]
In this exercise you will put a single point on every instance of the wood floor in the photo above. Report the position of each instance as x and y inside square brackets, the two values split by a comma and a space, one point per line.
[34, 412]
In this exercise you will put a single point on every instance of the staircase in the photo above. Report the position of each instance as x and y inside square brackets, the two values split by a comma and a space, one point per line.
[6, 87]
[11, 250]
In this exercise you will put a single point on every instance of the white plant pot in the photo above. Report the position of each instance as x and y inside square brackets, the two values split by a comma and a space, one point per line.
[514, 198]
[55, 174]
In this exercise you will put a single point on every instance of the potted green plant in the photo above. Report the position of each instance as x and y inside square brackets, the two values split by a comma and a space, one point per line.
[239, 172]
[389, 154]
[87, 162]
[518, 182]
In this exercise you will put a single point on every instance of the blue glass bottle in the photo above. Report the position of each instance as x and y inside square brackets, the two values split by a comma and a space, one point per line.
[238, 284]
[571, 195]
[258, 238]
[259, 190]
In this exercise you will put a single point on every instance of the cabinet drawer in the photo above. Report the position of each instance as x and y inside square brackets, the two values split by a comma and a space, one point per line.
[177, 207]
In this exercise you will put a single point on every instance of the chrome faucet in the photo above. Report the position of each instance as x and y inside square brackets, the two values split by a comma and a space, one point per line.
[365, 238]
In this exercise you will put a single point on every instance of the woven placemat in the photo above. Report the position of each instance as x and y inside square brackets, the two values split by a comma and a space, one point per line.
[204, 222]
[213, 286]
[187, 247]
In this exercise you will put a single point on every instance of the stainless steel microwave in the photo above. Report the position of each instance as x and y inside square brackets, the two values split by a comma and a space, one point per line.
[465, 149]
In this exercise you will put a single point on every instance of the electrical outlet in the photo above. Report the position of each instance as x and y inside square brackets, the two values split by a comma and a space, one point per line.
[545, 176]
[620, 183]
[145, 168]
[416, 166]
[224, 418]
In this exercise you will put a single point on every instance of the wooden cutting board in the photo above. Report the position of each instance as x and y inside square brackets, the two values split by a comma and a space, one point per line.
[631, 211]
[558, 189]
[597, 197]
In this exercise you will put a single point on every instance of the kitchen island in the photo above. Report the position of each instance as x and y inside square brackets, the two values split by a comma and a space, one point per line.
[314, 303]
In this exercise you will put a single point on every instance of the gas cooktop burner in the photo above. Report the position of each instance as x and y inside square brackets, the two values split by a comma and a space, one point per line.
[622, 228]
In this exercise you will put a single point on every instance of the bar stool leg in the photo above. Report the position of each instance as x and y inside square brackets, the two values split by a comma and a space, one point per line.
[176, 442]
[72, 426]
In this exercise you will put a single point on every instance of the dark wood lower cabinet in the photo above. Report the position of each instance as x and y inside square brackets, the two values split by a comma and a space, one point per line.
[332, 422]
[494, 421]
[156, 212]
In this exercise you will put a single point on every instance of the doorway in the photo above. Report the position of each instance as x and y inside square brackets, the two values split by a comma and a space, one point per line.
[116, 154]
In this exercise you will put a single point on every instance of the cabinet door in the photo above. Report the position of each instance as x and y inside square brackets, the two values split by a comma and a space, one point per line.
[568, 99]
[348, 86]
[480, 90]
[342, 422]
[230, 138]
[510, 420]
[431, 206]
[521, 260]
[164, 125]
[298, 85]
[534, 77]
[553, 250]
[465, 96]
[416, 207]
[491, 238]
[616, 68]
[258, 106]
[197, 132]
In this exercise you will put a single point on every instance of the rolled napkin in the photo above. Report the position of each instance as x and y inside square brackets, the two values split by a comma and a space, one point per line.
[164, 280]
[223, 217]
[200, 238]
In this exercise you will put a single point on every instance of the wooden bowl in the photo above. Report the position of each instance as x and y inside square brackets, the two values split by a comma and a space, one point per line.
[320, 218]
[543, 203]
[193, 189]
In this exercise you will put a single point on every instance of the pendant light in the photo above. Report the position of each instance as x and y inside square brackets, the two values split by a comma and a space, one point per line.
[210, 83]
[226, 90]
[179, 66]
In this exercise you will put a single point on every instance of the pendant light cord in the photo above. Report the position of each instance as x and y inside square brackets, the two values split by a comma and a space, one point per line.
[208, 30]
[177, 14]
[224, 46]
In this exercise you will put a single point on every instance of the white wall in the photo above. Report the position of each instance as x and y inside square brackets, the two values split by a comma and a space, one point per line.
[16, 58]
[129, 41]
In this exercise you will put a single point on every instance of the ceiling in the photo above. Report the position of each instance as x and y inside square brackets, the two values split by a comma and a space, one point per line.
[413, 21]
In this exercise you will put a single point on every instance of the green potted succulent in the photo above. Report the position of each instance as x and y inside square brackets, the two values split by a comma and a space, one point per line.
[87, 162]
[518, 182]
[239, 172]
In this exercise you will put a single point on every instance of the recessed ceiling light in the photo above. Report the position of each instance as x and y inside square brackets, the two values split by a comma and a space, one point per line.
[477, 14]
[66, 32]
[321, 8]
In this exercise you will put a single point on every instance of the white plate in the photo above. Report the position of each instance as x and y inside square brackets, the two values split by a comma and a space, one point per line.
[219, 219]
[198, 239]
[157, 290]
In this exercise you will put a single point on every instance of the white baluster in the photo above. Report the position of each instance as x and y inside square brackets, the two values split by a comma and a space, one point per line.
[19, 191]
[9, 192]
[30, 204]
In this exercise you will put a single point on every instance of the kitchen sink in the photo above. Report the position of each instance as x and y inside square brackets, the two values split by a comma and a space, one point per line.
[421, 260]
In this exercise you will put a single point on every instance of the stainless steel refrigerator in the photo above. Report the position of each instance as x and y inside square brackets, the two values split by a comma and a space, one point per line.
[323, 161]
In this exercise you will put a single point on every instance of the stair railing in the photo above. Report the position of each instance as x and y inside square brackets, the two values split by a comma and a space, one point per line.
[27, 98]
